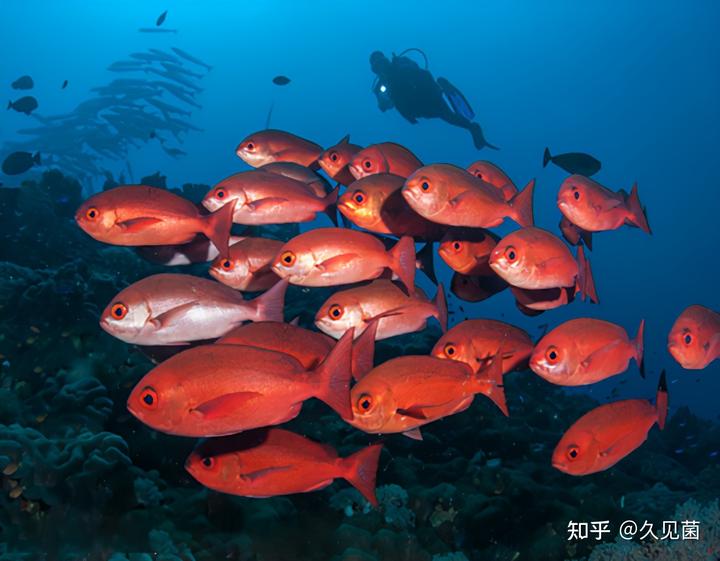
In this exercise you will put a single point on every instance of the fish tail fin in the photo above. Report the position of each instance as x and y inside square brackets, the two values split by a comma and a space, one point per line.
[333, 376]
[426, 259]
[662, 400]
[361, 471]
[547, 158]
[638, 344]
[363, 351]
[269, 305]
[490, 379]
[638, 214]
[585, 283]
[217, 227]
[402, 262]
[441, 306]
[330, 202]
[521, 206]
[36, 159]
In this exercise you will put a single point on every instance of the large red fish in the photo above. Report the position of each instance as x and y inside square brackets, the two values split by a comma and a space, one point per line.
[171, 309]
[268, 198]
[447, 194]
[467, 250]
[694, 340]
[535, 259]
[476, 288]
[398, 312]
[269, 146]
[333, 256]
[314, 182]
[138, 215]
[584, 351]
[595, 208]
[386, 157]
[247, 266]
[605, 435]
[376, 204]
[407, 392]
[492, 174]
[271, 462]
[476, 341]
[335, 161]
[199, 250]
[309, 347]
[215, 390]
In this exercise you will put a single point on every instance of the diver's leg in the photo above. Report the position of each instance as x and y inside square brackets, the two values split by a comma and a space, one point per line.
[449, 116]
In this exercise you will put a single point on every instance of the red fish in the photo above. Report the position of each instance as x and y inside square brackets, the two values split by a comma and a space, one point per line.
[314, 182]
[407, 392]
[335, 161]
[694, 341]
[376, 204]
[247, 266]
[268, 146]
[584, 351]
[575, 235]
[138, 215]
[492, 174]
[272, 462]
[476, 341]
[268, 198]
[535, 259]
[535, 302]
[170, 309]
[309, 347]
[605, 435]
[215, 390]
[467, 250]
[476, 288]
[398, 312]
[333, 256]
[199, 250]
[447, 194]
[386, 157]
[595, 208]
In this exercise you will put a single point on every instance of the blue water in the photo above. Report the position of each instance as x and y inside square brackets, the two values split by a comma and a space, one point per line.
[634, 84]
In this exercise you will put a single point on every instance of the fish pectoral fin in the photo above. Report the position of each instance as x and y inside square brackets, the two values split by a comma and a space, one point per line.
[415, 434]
[607, 204]
[167, 318]
[225, 404]
[254, 476]
[138, 224]
[338, 262]
[416, 411]
[599, 359]
[461, 199]
[389, 313]
[267, 203]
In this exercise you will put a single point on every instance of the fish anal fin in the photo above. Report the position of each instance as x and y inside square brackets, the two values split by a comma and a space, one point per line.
[415, 434]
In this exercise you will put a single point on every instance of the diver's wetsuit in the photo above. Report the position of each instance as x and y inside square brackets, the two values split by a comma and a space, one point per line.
[416, 94]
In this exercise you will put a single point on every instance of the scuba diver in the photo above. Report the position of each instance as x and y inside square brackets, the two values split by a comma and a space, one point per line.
[402, 84]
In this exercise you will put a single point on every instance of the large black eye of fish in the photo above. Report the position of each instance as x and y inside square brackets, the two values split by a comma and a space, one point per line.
[149, 398]
[335, 311]
[365, 402]
[449, 350]
[92, 213]
[573, 452]
[425, 186]
[250, 146]
[334, 156]
[220, 193]
[510, 254]
[576, 194]
[118, 310]
[359, 197]
[688, 339]
[226, 264]
[208, 462]
[288, 258]
[552, 355]
[457, 246]
[367, 164]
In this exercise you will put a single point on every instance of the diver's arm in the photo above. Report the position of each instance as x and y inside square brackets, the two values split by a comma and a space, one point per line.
[410, 118]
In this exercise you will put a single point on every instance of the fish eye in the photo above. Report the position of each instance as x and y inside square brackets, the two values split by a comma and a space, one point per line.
[220, 193]
[149, 398]
[425, 186]
[359, 197]
[336, 311]
[457, 246]
[688, 339]
[288, 258]
[478, 175]
[450, 350]
[334, 156]
[118, 310]
[250, 146]
[510, 254]
[367, 164]
[576, 194]
[552, 354]
[92, 213]
[365, 402]
[573, 452]
[208, 462]
[226, 264]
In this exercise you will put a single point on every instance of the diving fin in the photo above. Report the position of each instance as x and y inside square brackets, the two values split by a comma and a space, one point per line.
[456, 99]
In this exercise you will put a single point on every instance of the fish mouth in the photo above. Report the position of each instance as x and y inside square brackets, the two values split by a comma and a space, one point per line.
[559, 465]
[356, 171]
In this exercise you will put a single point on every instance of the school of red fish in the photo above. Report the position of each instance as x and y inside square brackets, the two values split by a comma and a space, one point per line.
[245, 371]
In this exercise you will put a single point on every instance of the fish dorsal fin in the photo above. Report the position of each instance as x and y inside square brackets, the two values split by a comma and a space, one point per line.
[338, 262]
[255, 476]
[139, 224]
[415, 434]
[344, 140]
[225, 405]
[167, 318]
[295, 321]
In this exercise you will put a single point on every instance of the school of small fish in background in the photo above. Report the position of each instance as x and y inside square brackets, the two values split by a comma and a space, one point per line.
[244, 371]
